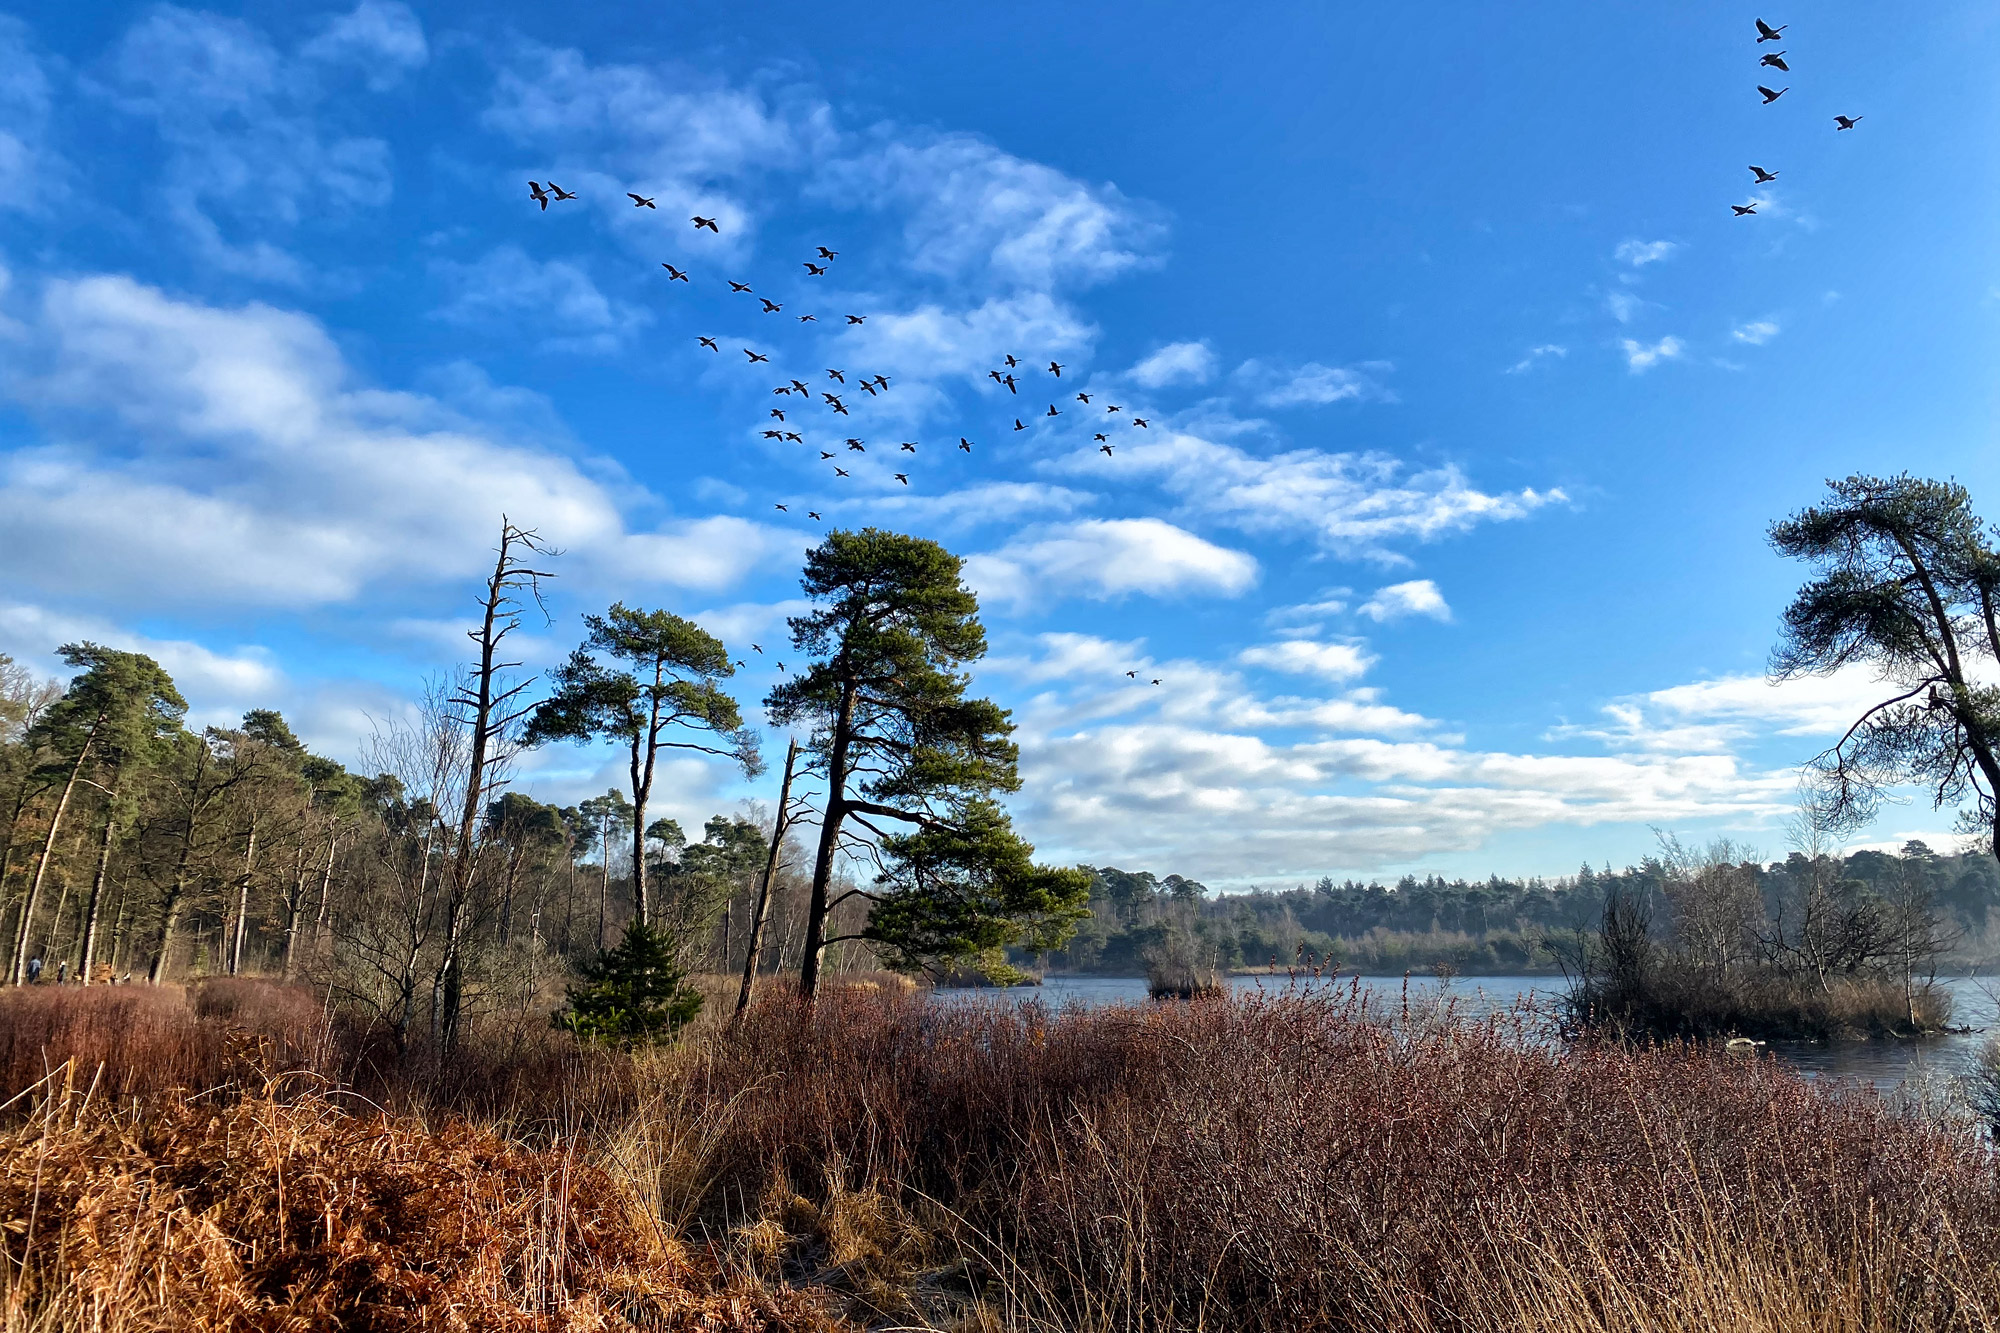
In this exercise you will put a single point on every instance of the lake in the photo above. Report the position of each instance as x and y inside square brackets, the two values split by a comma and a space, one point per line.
[1886, 1064]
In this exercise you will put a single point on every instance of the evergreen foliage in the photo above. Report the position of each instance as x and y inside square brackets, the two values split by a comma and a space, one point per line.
[632, 994]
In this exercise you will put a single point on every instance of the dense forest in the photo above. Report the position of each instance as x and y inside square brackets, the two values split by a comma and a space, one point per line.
[1497, 926]
[421, 889]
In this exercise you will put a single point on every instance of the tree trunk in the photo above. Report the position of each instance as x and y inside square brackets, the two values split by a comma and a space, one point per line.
[90, 914]
[829, 846]
[761, 914]
[32, 900]
[642, 792]
[243, 903]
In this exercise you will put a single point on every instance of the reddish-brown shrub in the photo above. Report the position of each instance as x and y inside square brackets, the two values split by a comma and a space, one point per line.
[258, 1212]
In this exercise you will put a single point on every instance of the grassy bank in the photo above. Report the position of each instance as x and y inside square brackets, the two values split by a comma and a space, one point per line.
[1309, 1162]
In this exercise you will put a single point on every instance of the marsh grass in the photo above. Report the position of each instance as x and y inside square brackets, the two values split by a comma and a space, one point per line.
[1305, 1161]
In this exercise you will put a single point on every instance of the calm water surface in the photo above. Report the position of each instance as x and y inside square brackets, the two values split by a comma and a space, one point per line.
[1887, 1064]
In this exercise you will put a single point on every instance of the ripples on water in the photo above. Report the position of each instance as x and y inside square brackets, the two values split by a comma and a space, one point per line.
[1887, 1064]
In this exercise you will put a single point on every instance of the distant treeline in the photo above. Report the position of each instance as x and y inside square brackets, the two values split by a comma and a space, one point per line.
[1490, 926]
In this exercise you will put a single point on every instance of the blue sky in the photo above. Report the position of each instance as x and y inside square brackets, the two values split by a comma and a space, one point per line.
[1469, 399]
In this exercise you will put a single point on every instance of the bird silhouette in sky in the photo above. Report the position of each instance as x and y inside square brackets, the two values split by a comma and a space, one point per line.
[795, 437]
[640, 200]
[1157, 680]
[1018, 425]
[774, 435]
[778, 412]
[775, 506]
[814, 270]
[903, 477]
[1114, 408]
[840, 407]
[994, 375]
[1055, 370]
[1104, 449]
[857, 446]
[1767, 33]
[1008, 380]
[754, 357]
[833, 374]
[770, 307]
[1743, 210]
[1083, 398]
[825, 253]
[808, 319]
[1764, 177]
[1100, 437]
[1139, 421]
[736, 286]
[1011, 362]
[857, 319]
[832, 400]
[965, 444]
[842, 472]
[1770, 96]
[882, 382]
[908, 446]
[1776, 60]
[1052, 411]
[824, 454]
[675, 274]
[558, 193]
[755, 649]
[868, 387]
[709, 343]
[1845, 122]
[1133, 674]
[540, 195]
[700, 222]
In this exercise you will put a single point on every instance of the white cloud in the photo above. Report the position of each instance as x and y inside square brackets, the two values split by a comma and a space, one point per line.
[1306, 657]
[29, 171]
[553, 300]
[1641, 357]
[973, 211]
[1536, 355]
[253, 151]
[383, 37]
[1398, 601]
[1353, 504]
[262, 475]
[1640, 253]
[1623, 305]
[1189, 362]
[1199, 773]
[1315, 385]
[1103, 558]
[1756, 332]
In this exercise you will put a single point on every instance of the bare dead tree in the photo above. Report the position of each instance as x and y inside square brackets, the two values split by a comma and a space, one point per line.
[491, 711]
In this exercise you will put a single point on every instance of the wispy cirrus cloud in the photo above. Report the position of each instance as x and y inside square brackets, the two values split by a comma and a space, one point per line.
[1104, 558]
[1176, 363]
[1640, 253]
[1641, 357]
[1400, 601]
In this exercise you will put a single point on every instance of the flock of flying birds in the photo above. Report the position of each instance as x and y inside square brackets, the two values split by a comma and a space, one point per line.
[787, 422]
[1776, 60]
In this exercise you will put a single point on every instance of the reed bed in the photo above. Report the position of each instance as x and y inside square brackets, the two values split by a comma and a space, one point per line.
[1307, 1161]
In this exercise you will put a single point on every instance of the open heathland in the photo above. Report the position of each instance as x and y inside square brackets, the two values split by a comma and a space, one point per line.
[239, 1156]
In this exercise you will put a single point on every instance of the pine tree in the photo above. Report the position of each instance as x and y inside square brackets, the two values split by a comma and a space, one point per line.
[633, 994]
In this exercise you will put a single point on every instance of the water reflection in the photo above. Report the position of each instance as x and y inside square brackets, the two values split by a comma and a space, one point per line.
[1886, 1064]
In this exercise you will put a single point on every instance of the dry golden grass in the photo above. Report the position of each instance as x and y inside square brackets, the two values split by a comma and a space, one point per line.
[884, 1162]
[283, 1209]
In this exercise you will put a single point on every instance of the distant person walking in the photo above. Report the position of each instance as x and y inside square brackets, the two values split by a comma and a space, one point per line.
[34, 971]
